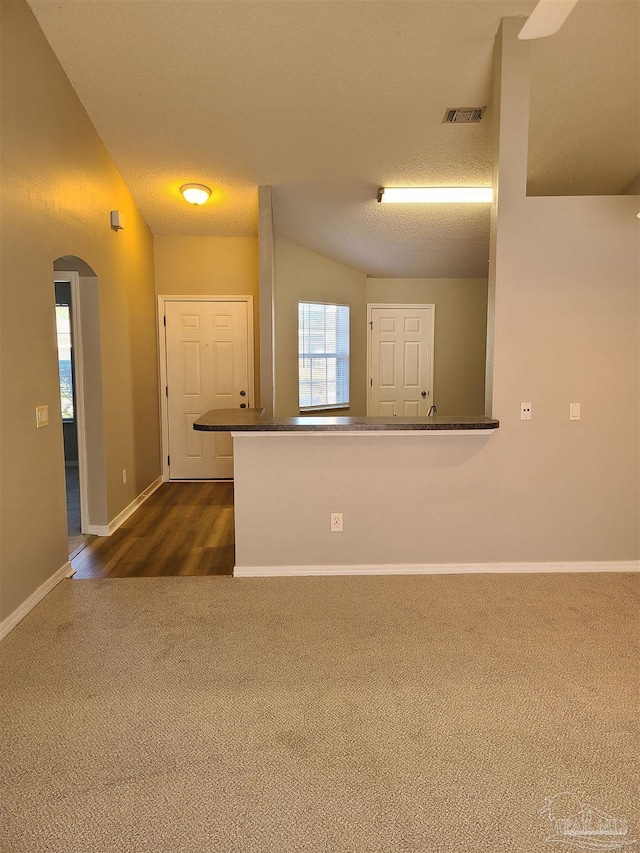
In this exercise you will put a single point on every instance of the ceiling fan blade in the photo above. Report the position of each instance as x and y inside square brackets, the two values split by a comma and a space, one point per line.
[546, 19]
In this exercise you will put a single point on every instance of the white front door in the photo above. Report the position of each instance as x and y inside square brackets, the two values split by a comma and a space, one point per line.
[400, 360]
[207, 347]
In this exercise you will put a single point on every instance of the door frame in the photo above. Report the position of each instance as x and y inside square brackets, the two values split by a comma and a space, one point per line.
[162, 352]
[73, 278]
[370, 307]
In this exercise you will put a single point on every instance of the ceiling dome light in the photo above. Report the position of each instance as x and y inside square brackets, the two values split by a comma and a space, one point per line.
[195, 193]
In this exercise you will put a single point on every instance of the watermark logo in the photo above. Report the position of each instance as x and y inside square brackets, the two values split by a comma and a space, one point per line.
[583, 826]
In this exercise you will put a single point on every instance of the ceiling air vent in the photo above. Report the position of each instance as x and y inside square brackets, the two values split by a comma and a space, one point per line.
[463, 115]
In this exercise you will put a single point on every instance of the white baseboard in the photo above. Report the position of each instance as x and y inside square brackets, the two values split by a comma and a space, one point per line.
[136, 503]
[36, 597]
[67, 570]
[97, 529]
[436, 569]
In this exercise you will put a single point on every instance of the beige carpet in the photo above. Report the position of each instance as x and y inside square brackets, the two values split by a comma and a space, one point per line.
[329, 715]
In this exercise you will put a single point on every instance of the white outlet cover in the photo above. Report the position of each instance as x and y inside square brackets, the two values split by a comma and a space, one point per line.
[525, 411]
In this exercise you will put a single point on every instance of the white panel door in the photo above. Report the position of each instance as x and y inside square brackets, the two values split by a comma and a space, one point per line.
[207, 368]
[401, 360]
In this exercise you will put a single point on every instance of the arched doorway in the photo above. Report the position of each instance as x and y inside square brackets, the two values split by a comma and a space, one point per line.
[78, 324]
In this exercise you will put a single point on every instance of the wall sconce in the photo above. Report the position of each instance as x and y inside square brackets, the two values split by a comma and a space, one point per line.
[195, 193]
[435, 195]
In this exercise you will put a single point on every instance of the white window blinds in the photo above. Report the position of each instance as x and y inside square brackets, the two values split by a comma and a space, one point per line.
[323, 355]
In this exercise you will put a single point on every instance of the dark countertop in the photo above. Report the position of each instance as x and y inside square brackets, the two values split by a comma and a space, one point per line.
[252, 420]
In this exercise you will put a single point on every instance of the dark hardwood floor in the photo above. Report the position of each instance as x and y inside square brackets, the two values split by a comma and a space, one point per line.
[182, 529]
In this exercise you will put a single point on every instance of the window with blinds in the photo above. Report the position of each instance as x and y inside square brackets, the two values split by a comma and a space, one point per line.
[323, 356]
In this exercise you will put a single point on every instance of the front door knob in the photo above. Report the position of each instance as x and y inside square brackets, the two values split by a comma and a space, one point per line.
[243, 393]
[243, 405]
[423, 393]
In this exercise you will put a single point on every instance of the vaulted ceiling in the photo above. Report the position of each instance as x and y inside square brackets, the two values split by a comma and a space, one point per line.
[326, 100]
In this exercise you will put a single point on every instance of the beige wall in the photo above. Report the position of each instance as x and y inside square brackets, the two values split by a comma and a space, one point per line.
[304, 275]
[565, 316]
[211, 266]
[460, 334]
[58, 186]
[202, 266]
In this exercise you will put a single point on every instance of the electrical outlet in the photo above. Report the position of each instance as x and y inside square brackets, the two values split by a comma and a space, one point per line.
[336, 522]
[124, 476]
[525, 411]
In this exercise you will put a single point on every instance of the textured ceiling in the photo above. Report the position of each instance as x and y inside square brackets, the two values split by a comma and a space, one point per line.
[326, 100]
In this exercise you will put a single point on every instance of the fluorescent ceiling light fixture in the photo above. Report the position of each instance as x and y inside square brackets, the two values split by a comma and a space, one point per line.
[546, 19]
[435, 195]
[195, 193]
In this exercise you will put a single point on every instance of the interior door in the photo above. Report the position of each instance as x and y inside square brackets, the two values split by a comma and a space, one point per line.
[401, 360]
[207, 350]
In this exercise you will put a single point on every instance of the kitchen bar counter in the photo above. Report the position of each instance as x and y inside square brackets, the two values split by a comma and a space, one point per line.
[385, 478]
[253, 420]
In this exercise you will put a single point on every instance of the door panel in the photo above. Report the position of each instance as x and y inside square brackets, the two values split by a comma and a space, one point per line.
[387, 364]
[192, 439]
[207, 351]
[223, 373]
[410, 409]
[411, 364]
[401, 347]
[191, 380]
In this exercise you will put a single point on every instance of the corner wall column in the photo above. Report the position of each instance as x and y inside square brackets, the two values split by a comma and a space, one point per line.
[509, 114]
[266, 242]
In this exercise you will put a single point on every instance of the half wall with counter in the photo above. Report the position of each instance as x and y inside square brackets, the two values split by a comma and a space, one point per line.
[399, 484]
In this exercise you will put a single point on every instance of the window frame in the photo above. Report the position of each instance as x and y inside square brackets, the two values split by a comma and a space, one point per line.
[338, 356]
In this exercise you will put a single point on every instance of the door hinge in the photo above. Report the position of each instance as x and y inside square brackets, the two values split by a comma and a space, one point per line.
[371, 324]
[168, 460]
[166, 390]
[165, 319]
[371, 382]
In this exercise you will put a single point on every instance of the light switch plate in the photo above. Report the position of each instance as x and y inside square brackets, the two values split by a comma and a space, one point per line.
[574, 411]
[42, 416]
